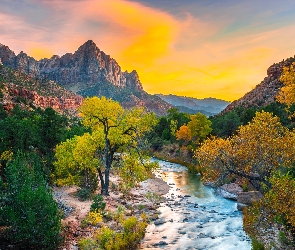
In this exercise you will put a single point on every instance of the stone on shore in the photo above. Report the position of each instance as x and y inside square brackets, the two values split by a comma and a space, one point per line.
[229, 191]
[247, 198]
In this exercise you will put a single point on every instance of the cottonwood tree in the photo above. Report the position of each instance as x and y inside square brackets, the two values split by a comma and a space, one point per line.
[255, 152]
[287, 92]
[113, 130]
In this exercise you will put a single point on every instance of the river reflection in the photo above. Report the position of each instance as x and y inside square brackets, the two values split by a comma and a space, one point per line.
[194, 217]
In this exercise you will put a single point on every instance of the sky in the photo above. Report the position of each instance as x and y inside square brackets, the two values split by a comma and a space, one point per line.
[196, 48]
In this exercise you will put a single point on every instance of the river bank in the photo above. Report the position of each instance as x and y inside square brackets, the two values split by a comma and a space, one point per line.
[144, 198]
[183, 213]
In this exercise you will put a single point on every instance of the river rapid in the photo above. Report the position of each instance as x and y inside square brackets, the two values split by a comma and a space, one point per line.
[193, 216]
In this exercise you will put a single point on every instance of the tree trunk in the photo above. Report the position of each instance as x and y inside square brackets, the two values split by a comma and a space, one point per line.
[105, 185]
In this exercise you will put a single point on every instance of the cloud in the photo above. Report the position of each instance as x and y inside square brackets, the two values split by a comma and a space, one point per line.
[196, 48]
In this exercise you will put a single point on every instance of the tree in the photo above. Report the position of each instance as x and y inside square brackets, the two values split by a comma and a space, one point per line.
[184, 133]
[113, 129]
[255, 152]
[287, 93]
[199, 127]
[276, 207]
[27, 208]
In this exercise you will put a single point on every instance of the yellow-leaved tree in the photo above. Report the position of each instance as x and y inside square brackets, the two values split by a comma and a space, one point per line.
[287, 92]
[255, 152]
[113, 130]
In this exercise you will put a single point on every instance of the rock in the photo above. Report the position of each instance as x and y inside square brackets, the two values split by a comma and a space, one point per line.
[41, 94]
[161, 243]
[240, 206]
[248, 198]
[185, 220]
[159, 221]
[187, 195]
[229, 191]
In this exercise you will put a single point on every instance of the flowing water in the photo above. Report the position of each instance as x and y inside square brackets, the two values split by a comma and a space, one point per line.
[193, 217]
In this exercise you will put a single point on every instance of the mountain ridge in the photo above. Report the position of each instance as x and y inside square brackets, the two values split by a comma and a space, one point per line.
[29, 93]
[87, 72]
[208, 106]
[266, 91]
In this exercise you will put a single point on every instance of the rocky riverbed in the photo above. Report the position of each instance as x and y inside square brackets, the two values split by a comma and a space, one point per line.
[193, 216]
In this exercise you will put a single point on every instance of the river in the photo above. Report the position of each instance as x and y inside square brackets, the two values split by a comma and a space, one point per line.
[194, 217]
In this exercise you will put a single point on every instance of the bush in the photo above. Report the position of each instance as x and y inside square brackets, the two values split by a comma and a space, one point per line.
[98, 204]
[256, 245]
[93, 218]
[84, 194]
[27, 207]
[87, 244]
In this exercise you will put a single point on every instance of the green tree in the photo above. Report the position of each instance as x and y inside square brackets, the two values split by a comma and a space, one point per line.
[200, 127]
[113, 129]
[27, 207]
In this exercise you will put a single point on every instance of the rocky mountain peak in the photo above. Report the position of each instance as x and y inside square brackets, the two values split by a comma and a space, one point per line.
[89, 72]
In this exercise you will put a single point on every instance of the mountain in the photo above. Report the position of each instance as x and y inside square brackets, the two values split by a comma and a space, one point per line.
[207, 106]
[28, 92]
[265, 92]
[88, 72]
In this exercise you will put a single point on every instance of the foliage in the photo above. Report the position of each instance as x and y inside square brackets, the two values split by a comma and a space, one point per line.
[131, 233]
[255, 152]
[166, 127]
[93, 218]
[199, 127]
[113, 129]
[225, 125]
[87, 244]
[84, 194]
[184, 133]
[256, 245]
[77, 161]
[98, 204]
[28, 209]
[136, 168]
[277, 206]
[34, 131]
[287, 92]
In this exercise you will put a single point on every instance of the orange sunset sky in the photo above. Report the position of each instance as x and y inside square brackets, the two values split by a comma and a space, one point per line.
[197, 48]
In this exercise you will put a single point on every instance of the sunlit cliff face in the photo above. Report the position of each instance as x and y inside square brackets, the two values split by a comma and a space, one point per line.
[195, 48]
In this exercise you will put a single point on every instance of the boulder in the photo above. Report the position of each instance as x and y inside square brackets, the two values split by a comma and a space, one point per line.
[229, 191]
[248, 198]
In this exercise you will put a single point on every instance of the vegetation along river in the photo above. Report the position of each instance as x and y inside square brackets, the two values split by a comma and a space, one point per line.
[193, 216]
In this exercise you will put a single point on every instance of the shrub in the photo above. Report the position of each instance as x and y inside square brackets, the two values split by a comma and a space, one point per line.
[87, 244]
[28, 208]
[98, 204]
[256, 245]
[93, 218]
[84, 194]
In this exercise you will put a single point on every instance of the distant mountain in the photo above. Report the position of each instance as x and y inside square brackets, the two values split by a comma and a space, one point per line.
[265, 92]
[28, 92]
[88, 72]
[207, 106]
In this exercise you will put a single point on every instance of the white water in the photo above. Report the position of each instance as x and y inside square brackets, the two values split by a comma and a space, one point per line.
[201, 221]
